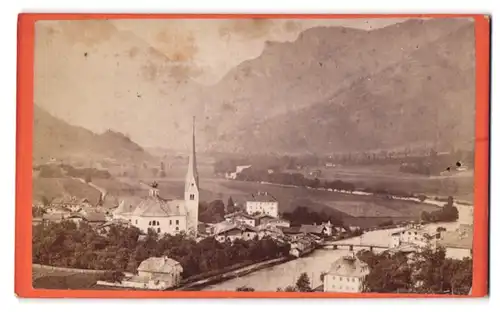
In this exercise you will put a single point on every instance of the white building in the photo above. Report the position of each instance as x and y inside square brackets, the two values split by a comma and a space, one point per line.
[162, 270]
[346, 274]
[155, 273]
[413, 236]
[168, 216]
[264, 204]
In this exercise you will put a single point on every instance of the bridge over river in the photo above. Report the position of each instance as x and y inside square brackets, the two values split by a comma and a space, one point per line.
[354, 247]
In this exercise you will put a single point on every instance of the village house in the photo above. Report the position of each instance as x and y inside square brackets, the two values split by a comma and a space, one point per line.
[155, 273]
[76, 217]
[274, 221]
[69, 203]
[413, 235]
[104, 228]
[346, 274]
[55, 217]
[161, 271]
[325, 229]
[94, 218]
[339, 229]
[168, 216]
[293, 232]
[262, 203]
[241, 217]
[229, 232]
[268, 230]
[301, 246]
[457, 244]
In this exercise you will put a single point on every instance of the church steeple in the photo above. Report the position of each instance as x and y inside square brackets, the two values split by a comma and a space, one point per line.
[192, 172]
[192, 191]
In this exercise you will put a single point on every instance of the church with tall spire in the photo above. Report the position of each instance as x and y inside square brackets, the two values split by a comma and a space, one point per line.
[167, 216]
[192, 187]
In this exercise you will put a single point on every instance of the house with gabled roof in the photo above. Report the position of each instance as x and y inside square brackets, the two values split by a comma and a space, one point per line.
[346, 274]
[229, 232]
[241, 217]
[262, 203]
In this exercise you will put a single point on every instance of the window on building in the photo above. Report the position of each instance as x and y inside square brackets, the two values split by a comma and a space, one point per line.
[149, 223]
[157, 222]
[191, 196]
[176, 222]
[159, 230]
[170, 222]
[154, 222]
[135, 221]
[176, 228]
[340, 278]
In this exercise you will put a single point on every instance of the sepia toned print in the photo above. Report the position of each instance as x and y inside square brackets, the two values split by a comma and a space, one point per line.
[248, 155]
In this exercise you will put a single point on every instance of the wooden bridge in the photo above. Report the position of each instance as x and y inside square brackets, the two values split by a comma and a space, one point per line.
[353, 246]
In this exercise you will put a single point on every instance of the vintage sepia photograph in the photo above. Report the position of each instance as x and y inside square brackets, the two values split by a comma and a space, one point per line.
[254, 155]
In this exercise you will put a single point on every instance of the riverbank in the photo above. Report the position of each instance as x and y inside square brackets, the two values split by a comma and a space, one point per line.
[197, 285]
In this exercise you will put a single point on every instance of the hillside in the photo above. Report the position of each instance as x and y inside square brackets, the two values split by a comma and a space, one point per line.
[54, 138]
[339, 89]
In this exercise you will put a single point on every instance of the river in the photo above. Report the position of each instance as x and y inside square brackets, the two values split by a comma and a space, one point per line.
[314, 264]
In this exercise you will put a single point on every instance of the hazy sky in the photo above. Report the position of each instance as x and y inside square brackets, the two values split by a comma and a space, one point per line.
[92, 73]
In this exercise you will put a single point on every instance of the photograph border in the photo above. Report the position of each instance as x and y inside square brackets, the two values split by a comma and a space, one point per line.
[24, 151]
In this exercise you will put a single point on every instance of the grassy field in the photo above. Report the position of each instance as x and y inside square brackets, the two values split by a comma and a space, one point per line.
[459, 185]
[372, 210]
[50, 279]
[52, 188]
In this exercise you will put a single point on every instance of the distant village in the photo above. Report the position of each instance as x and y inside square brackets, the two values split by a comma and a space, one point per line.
[258, 218]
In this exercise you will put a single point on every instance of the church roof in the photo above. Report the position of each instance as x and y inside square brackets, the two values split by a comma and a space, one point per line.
[155, 206]
[158, 265]
[127, 206]
[349, 266]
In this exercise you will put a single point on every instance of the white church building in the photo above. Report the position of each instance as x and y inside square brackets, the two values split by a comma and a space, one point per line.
[163, 215]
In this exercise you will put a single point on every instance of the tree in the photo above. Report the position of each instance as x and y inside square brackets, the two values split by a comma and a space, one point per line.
[322, 276]
[303, 283]
[422, 197]
[230, 205]
[45, 201]
[88, 177]
[425, 216]
[449, 212]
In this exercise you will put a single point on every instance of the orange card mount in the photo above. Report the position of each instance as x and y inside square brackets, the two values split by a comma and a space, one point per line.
[72, 196]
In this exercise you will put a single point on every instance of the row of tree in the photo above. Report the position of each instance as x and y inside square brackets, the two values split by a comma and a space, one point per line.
[67, 245]
[298, 179]
[448, 213]
[304, 215]
[424, 272]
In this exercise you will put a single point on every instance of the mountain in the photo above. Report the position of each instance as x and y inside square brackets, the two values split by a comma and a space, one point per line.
[339, 89]
[54, 138]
